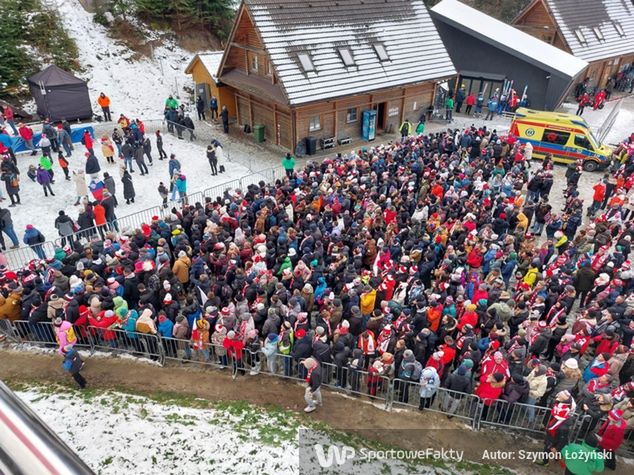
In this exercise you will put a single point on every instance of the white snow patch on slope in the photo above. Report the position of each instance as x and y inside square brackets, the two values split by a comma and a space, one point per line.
[136, 88]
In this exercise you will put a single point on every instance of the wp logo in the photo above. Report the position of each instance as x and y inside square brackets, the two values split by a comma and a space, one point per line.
[334, 454]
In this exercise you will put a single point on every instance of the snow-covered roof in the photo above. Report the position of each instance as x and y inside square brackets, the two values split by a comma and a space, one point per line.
[321, 29]
[507, 38]
[595, 29]
[210, 60]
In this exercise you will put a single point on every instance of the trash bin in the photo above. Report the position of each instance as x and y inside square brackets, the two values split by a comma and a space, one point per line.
[258, 133]
[311, 145]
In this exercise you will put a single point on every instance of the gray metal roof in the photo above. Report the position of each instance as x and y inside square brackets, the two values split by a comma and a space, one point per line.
[507, 38]
[319, 27]
[585, 15]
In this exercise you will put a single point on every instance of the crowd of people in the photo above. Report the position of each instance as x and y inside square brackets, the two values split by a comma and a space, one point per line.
[421, 261]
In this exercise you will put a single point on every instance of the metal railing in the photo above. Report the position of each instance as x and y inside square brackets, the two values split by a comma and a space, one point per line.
[526, 418]
[445, 401]
[18, 258]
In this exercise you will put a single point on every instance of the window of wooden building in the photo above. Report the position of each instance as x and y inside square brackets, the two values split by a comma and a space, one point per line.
[254, 63]
[351, 115]
[314, 124]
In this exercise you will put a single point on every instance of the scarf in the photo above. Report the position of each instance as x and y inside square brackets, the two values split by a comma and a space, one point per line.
[559, 414]
[310, 371]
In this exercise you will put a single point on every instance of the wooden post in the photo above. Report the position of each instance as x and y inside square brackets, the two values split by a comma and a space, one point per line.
[293, 130]
[335, 131]
[252, 123]
[276, 125]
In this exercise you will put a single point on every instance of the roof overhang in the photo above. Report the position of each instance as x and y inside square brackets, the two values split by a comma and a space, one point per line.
[472, 22]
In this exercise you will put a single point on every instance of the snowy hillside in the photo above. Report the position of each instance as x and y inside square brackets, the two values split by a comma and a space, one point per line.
[136, 88]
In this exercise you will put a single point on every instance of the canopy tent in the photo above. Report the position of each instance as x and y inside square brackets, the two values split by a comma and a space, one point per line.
[60, 95]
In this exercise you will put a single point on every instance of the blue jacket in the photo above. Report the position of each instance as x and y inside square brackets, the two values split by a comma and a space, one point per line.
[166, 328]
[181, 185]
[33, 237]
[174, 165]
[130, 324]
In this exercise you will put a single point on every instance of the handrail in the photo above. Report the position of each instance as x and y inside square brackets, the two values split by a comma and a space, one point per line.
[17, 258]
[523, 417]
[28, 445]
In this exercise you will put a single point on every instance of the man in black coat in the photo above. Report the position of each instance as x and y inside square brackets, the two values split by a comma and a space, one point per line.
[131, 288]
[200, 108]
[188, 123]
[224, 114]
[457, 381]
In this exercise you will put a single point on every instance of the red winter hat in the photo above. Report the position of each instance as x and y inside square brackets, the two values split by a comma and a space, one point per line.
[301, 333]
[615, 414]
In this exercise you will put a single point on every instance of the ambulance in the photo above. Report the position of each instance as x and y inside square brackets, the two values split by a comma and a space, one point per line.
[566, 137]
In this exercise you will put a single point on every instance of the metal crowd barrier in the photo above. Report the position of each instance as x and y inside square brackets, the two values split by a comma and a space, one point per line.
[444, 401]
[116, 340]
[392, 392]
[90, 338]
[522, 416]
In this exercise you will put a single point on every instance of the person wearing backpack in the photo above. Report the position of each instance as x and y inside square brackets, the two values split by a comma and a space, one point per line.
[410, 370]
[34, 239]
[406, 129]
[12, 185]
[73, 364]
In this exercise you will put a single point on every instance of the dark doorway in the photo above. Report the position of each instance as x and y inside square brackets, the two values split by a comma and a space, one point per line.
[380, 116]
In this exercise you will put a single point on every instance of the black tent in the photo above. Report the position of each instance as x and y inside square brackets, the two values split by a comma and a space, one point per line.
[60, 95]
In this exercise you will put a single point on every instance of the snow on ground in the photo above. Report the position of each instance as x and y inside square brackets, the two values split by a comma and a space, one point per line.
[623, 126]
[136, 88]
[41, 211]
[115, 433]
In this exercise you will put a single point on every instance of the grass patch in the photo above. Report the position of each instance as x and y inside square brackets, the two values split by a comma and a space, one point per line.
[269, 424]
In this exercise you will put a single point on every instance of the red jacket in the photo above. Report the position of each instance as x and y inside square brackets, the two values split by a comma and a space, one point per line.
[234, 348]
[389, 216]
[449, 353]
[100, 214]
[25, 132]
[475, 257]
[470, 318]
[488, 392]
[87, 140]
[599, 192]
[605, 345]
[612, 434]
[491, 367]
[103, 324]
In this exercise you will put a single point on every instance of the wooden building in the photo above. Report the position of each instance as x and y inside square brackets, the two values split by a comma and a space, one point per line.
[312, 67]
[600, 32]
[204, 70]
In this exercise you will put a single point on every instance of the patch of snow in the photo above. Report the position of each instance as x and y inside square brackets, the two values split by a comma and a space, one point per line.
[137, 88]
[623, 125]
[41, 211]
[116, 432]
[155, 438]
